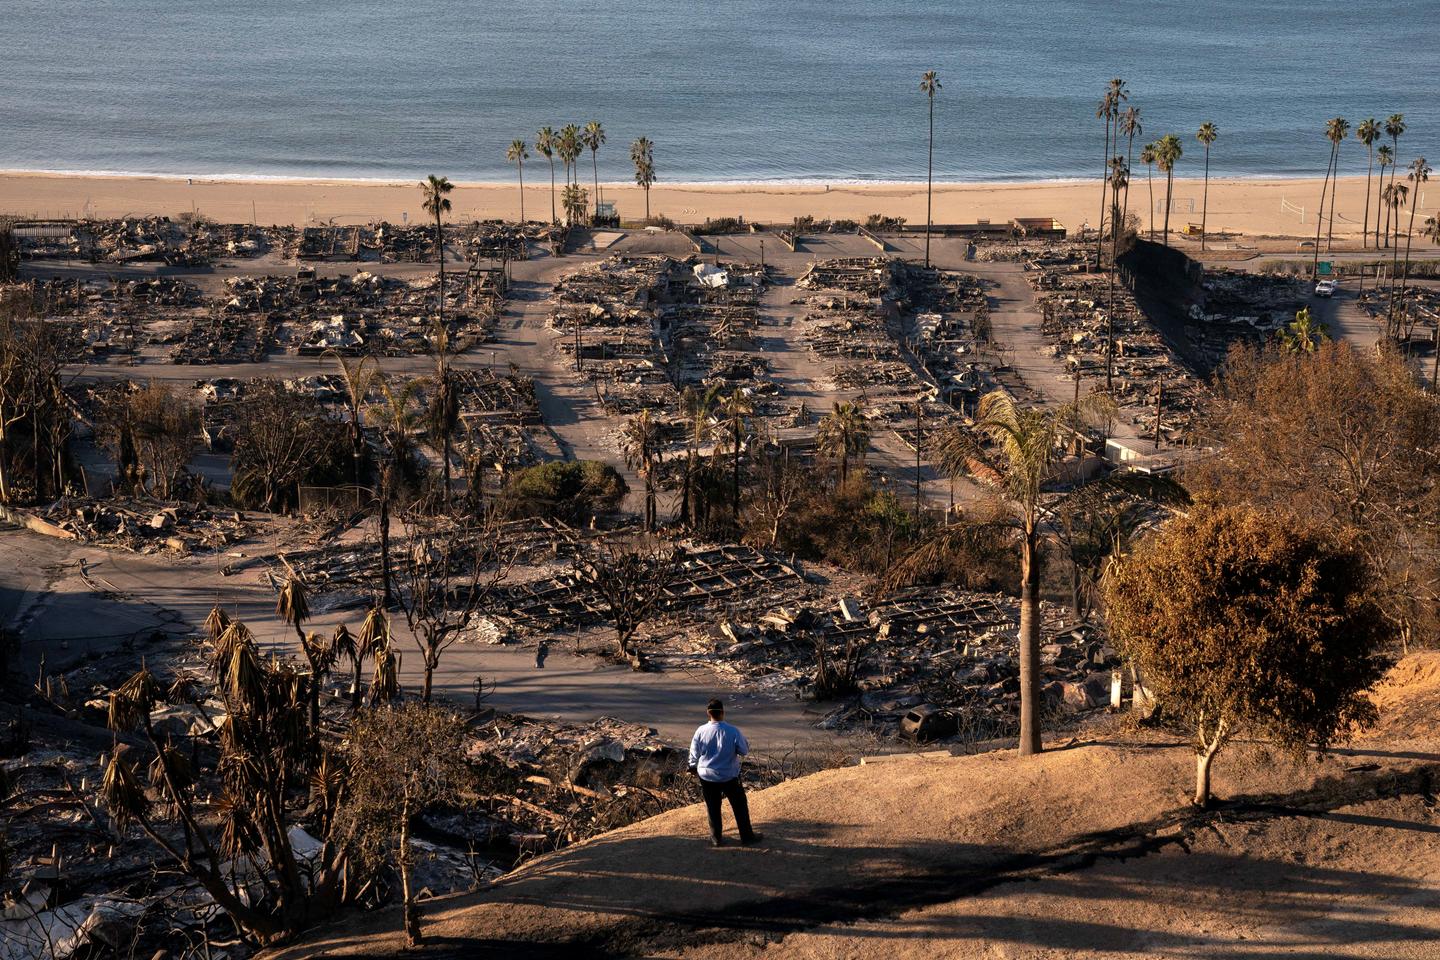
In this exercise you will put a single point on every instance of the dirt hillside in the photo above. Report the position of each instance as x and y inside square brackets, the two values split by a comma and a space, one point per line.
[1089, 847]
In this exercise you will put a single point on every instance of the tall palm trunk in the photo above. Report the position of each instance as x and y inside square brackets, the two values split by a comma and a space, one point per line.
[647, 204]
[440, 258]
[1029, 642]
[929, 182]
[1129, 165]
[386, 480]
[1104, 196]
[1320, 215]
[1394, 169]
[1409, 232]
[1110, 313]
[1379, 204]
[521, 168]
[595, 169]
[1334, 192]
[1394, 324]
[553, 217]
[1205, 202]
[735, 494]
[1169, 192]
[1365, 223]
[1150, 181]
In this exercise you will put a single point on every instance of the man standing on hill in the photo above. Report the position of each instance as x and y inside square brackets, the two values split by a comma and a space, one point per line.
[715, 753]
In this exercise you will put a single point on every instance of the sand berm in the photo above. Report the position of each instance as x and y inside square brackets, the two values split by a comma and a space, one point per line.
[1090, 849]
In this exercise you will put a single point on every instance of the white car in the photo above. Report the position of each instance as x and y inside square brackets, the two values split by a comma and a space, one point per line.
[1325, 288]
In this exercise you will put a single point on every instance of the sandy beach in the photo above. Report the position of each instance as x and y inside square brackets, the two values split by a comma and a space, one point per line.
[1251, 207]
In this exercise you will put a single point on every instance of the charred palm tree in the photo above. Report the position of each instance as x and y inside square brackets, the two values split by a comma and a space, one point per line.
[642, 444]
[1119, 180]
[736, 410]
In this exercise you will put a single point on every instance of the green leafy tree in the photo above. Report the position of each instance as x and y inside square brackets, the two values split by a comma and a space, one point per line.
[843, 433]
[1252, 623]
[1305, 334]
[1028, 444]
[643, 444]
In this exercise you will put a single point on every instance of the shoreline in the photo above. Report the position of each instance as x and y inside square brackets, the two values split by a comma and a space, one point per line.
[1244, 206]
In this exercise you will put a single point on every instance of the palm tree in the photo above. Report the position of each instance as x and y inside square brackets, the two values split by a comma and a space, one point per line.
[1130, 126]
[594, 138]
[1337, 130]
[545, 146]
[569, 149]
[443, 414]
[434, 189]
[642, 154]
[1029, 441]
[842, 434]
[1367, 132]
[1304, 335]
[697, 405]
[1108, 110]
[399, 422]
[1419, 173]
[1394, 129]
[1332, 128]
[517, 154]
[1119, 180]
[1394, 196]
[1207, 135]
[574, 200]
[641, 441]
[357, 380]
[1167, 152]
[735, 408]
[929, 83]
[1148, 155]
[1385, 157]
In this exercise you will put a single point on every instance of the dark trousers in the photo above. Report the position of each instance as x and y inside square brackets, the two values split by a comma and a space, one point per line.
[739, 806]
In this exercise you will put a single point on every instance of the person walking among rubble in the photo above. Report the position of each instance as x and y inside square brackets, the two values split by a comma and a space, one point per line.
[715, 752]
[541, 652]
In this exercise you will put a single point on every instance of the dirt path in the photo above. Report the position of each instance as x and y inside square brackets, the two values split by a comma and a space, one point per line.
[916, 840]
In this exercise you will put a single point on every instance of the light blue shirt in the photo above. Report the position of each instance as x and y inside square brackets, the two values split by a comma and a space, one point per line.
[716, 749]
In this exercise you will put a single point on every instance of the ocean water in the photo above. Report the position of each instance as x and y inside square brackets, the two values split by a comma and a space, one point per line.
[737, 90]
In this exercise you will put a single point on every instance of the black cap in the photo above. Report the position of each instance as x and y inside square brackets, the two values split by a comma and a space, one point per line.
[716, 705]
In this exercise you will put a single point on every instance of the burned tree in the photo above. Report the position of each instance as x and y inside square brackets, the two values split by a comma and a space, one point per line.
[448, 570]
[238, 841]
[35, 414]
[283, 439]
[152, 433]
[402, 760]
[629, 581]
